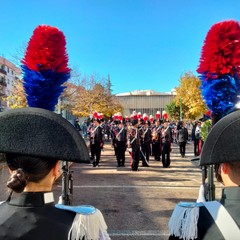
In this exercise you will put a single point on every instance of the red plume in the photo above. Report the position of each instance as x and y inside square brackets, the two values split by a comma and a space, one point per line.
[139, 115]
[165, 115]
[119, 116]
[100, 115]
[134, 115]
[221, 50]
[95, 114]
[145, 117]
[151, 118]
[46, 50]
[158, 115]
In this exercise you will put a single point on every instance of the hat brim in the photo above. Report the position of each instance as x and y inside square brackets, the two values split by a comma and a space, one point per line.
[42, 133]
[222, 143]
[195, 160]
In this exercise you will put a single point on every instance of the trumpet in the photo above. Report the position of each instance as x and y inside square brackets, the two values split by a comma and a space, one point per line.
[155, 135]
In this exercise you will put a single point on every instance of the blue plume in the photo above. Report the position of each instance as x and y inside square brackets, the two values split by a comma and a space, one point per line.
[43, 87]
[220, 94]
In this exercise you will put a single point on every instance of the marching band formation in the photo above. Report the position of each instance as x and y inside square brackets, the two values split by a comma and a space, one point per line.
[140, 135]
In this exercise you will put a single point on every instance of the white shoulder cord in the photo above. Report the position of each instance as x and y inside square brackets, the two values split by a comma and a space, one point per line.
[165, 130]
[223, 219]
[145, 133]
[134, 137]
[119, 132]
[94, 130]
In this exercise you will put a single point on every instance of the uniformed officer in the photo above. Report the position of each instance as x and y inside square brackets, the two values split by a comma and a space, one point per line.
[146, 139]
[120, 136]
[96, 141]
[182, 137]
[33, 141]
[113, 131]
[211, 220]
[134, 144]
[166, 134]
[219, 74]
[157, 140]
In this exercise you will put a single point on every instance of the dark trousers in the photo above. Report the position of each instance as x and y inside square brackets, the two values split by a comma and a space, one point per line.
[95, 152]
[114, 144]
[120, 152]
[156, 150]
[196, 143]
[135, 156]
[166, 154]
[146, 151]
[182, 148]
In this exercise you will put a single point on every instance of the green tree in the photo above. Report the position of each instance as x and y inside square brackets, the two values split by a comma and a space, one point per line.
[173, 110]
[205, 129]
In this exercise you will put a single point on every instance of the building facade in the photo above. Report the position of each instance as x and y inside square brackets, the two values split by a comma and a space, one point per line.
[145, 101]
[8, 74]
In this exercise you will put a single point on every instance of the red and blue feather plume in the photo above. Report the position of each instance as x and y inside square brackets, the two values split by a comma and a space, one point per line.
[45, 67]
[219, 68]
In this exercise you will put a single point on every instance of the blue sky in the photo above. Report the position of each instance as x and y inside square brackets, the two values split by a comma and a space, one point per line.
[141, 44]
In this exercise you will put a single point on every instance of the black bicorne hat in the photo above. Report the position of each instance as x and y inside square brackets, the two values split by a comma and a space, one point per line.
[159, 120]
[97, 119]
[42, 133]
[222, 143]
[116, 122]
[134, 121]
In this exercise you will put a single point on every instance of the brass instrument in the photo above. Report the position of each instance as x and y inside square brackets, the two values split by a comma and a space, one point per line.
[155, 132]
[155, 135]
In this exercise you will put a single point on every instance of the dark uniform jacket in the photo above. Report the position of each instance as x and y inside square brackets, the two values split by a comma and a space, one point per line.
[134, 138]
[182, 135]
[147, 135]
[120, 135]
[156, 131]
[97, 135]
[31, 216]
[207, 229]
[166, 135]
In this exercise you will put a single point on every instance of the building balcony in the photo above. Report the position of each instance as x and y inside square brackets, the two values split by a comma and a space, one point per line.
[3, 71]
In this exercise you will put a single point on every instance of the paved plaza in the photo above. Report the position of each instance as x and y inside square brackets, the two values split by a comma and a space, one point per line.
[136, 205]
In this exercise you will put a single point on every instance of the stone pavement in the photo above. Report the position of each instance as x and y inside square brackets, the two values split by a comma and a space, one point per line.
[135, 205]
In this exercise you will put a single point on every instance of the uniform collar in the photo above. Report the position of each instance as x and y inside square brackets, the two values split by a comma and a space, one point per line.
[32, 199]
[231, 193]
